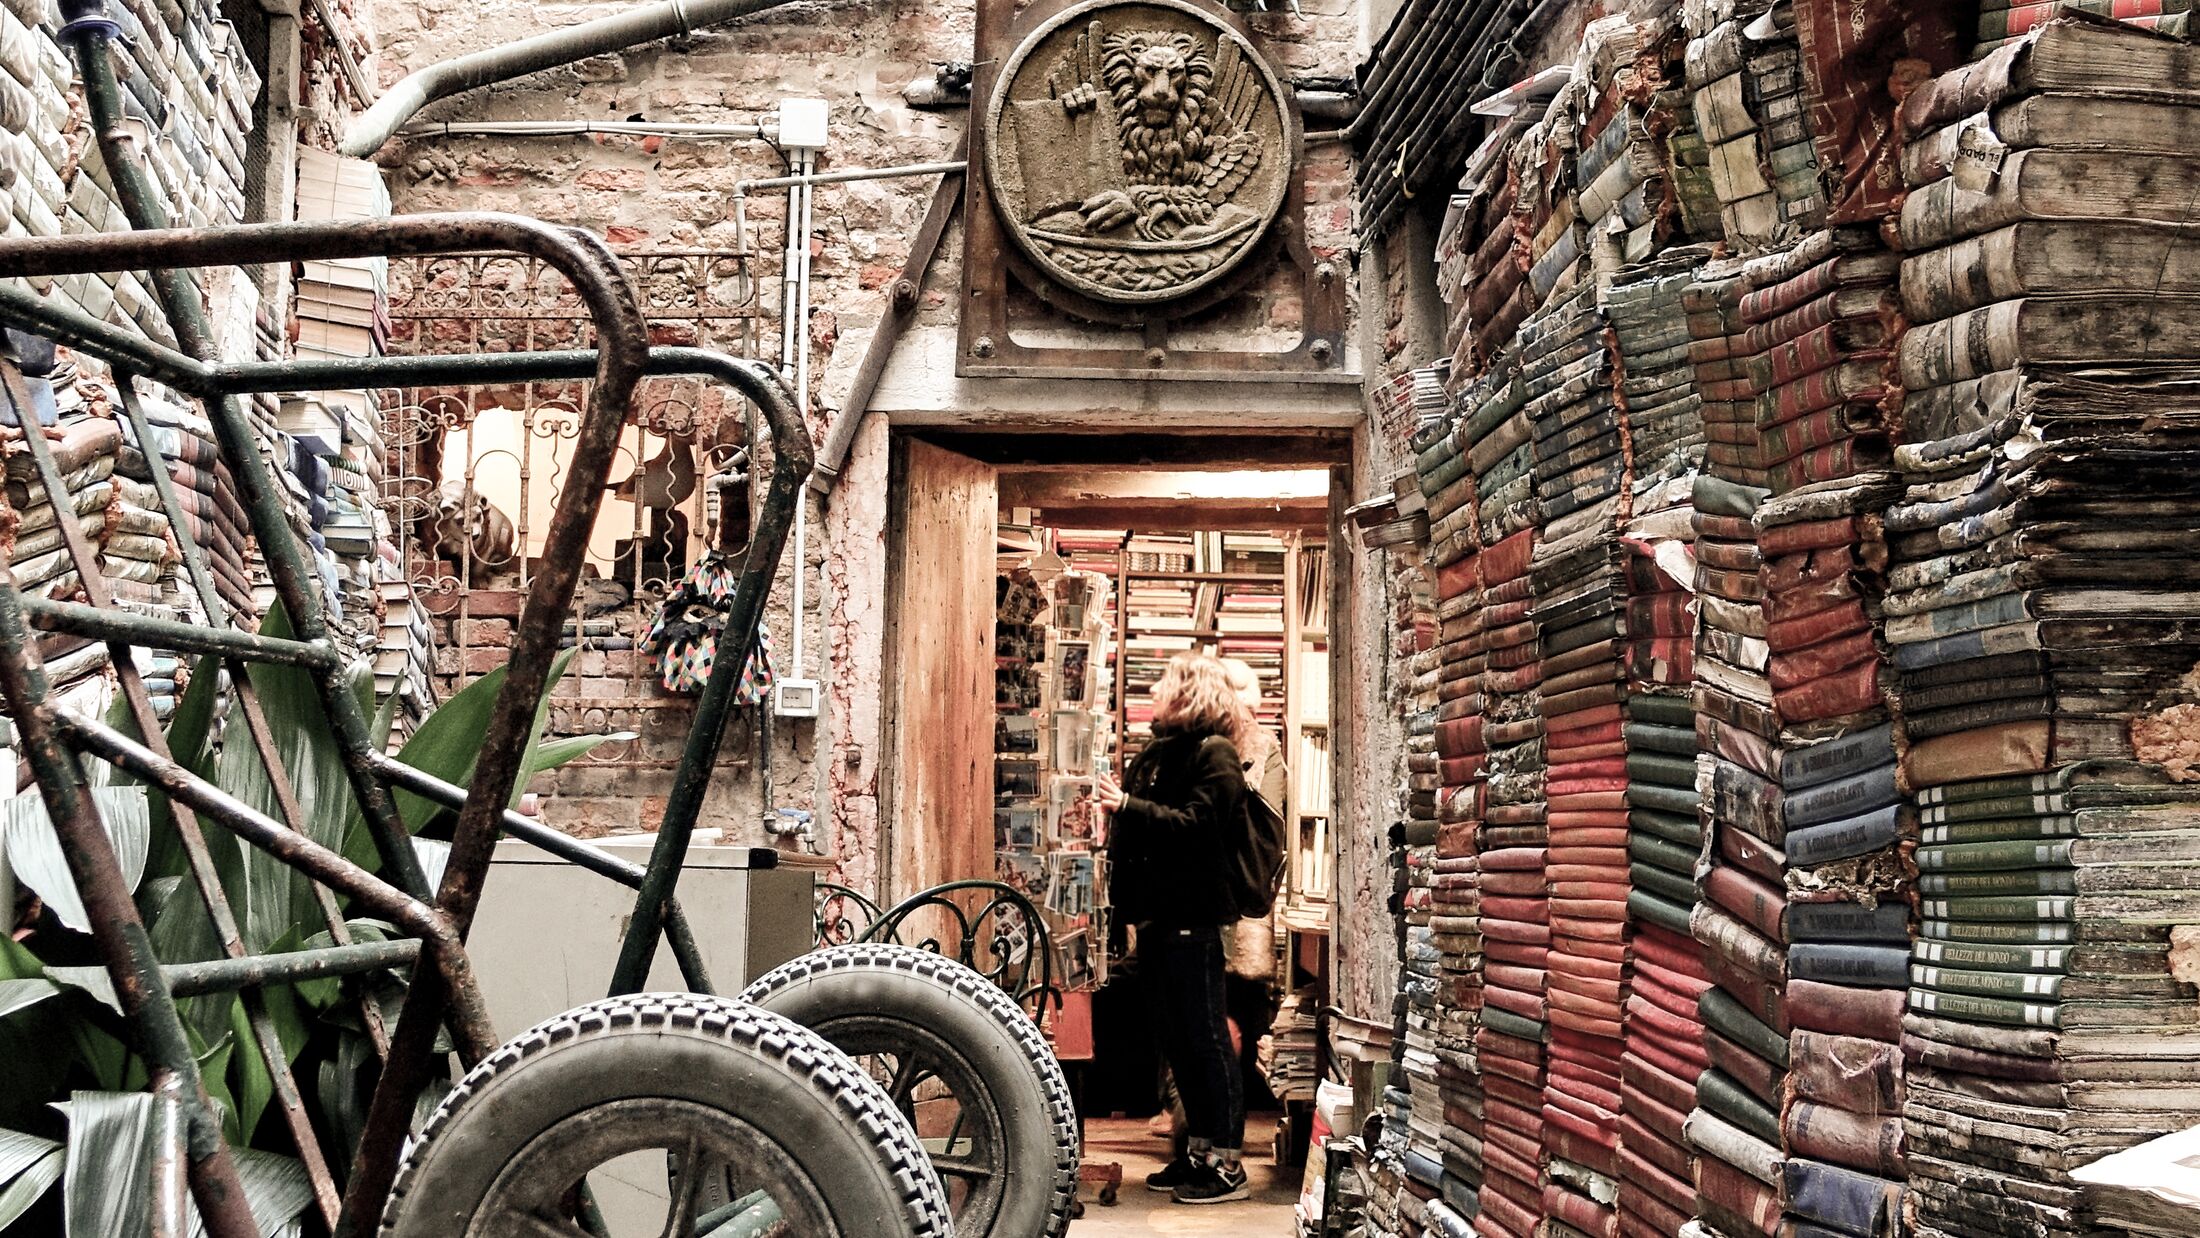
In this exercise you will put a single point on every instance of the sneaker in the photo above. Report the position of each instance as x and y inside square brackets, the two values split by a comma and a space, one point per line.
[1177, 1173]
[1214, 1184]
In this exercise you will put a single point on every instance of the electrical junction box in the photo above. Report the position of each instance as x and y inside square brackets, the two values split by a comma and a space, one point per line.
[795, 698]
[802, 124]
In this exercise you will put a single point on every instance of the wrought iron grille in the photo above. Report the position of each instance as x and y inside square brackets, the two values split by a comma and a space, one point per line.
[474, 471]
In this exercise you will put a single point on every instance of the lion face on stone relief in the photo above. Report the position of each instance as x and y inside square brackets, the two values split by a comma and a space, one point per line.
[1159, 82]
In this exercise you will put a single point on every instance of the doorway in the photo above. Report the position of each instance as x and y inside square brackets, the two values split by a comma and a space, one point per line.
[1037, 586]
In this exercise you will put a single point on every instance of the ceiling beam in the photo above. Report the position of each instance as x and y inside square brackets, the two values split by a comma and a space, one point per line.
[1267, 449]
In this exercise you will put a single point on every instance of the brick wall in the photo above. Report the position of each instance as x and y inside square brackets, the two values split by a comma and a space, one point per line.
[672, 192]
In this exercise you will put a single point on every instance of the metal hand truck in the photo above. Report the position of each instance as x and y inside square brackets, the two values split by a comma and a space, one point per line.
[443, 994]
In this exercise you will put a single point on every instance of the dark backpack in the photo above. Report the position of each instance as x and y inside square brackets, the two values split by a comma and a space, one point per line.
[1252, 865]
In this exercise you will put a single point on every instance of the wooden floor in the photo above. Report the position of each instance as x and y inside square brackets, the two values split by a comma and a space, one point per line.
[1140, 1213]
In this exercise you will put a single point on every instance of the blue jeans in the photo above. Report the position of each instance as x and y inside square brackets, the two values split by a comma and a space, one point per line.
[1185, 968]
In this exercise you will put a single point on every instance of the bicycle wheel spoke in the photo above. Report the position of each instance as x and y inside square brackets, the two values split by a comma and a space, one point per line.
[529, 1225]
[680, 1223]
[969, 1170]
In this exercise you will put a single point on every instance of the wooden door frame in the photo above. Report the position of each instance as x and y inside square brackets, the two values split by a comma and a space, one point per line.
[1344, 734]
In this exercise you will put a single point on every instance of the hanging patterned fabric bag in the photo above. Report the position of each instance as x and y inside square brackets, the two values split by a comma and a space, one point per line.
[685, 634]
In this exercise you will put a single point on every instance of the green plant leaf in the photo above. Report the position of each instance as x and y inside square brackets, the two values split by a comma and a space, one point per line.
[250, 1084]
[342, 1093]
[176, 919]
[213, 1058]
[190, 741]
[92, 980]
[566, 749]
[447, 744]
[435, 856]
[113, 1138]
[34, 849]
[275, 897]
[21, 995]
[29, 1166]
[275, 1188]
[449, 741]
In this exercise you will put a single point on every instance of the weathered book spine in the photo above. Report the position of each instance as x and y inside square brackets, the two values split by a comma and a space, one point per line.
[1850, 963]
[1875, 1014]
[1847, 1072]
[2048, 184]
[1844, 921]
[1755, 903]
[1854, 1140]
[1751, 1207]
[1974, 87]
[1850, 1202]
[2004, 23]
[1835, 306]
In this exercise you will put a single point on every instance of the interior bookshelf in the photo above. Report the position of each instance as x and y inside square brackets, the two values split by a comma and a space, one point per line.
[1260, 597]
[1053, 632]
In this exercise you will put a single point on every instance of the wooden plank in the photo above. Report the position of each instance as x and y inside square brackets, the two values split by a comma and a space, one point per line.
[941, 685]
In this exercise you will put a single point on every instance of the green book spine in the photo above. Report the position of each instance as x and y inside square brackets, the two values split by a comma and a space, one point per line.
[1998, 829]
[2043, 805]
[2004, 932]
[1991, 956]
[2013, 909]
[1976, 1009]
[1992, 856]
[2009, 986]
[2014, 883]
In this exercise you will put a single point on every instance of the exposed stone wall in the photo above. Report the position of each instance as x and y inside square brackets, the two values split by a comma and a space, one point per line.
[651, 192]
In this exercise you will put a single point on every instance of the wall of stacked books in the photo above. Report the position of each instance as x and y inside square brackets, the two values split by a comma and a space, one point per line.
[1799, 604]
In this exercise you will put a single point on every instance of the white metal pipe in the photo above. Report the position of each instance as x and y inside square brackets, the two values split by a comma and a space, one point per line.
[521, 57]
[579, 128]
[802, 403]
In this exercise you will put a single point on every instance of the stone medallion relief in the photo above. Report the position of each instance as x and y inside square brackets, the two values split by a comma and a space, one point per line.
[1137, 150]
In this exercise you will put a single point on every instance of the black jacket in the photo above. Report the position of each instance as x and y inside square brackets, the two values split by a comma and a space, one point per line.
[1171, 837]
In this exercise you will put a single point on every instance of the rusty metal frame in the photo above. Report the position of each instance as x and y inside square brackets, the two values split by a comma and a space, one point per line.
[443, 993]
[986, 346]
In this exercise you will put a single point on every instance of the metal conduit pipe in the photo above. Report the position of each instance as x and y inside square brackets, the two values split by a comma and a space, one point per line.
[521, 57]
[583, 128]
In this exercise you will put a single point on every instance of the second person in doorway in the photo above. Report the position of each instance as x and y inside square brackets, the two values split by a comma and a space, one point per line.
[1174, 822]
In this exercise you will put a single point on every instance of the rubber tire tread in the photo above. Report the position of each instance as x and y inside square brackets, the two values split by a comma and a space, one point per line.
[864, 1119]
[988, 997]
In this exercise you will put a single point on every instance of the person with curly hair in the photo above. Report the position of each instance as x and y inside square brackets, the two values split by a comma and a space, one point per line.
[1175, 819]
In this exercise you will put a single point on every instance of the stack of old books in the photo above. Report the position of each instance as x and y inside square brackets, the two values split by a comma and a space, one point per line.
[1422, 969]
[1815, 350]
[1734, 1126]
[1387, 1159]
[1619, 170]
[1447, 485]
[1515, 910]
[2041, 607]
[127, 532]
[207, 505]
[1844, 909]
[1663, 1054]
[1456, 920]
[1750, 105]
[1499, 438]
[1566, 374]
[1657, 392]
[2001, 22]
[1494, 288]
[1550, 214]
[1580, 621]
[1459, 936]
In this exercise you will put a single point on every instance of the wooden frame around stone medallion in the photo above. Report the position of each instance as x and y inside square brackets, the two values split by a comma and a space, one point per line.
[985, 344]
